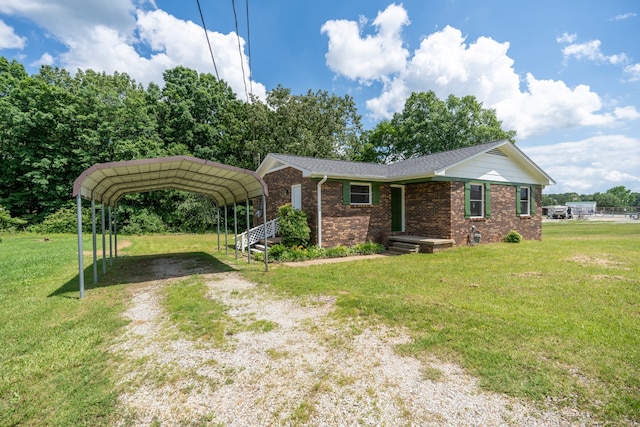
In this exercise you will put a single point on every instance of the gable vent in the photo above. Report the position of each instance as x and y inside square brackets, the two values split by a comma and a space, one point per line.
[497, 152]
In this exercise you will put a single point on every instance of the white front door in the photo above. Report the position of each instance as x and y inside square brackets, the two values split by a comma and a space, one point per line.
[296, 196]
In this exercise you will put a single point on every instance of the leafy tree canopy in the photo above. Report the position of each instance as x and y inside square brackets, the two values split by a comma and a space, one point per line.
[429, 125]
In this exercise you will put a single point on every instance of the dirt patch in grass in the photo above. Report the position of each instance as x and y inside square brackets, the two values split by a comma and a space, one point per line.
[587, 260]
[121, 245]
[528, 274]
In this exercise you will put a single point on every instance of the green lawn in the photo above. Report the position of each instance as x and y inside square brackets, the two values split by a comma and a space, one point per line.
[557, 319]
[553, 320]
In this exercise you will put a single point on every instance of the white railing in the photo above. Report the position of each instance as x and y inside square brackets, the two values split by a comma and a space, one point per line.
[257, 233]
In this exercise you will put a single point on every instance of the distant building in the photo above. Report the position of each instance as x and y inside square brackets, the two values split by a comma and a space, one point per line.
[582, 208]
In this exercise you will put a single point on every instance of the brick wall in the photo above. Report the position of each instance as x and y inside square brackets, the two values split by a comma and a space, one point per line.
[341, 224]
[433, 209]
[349, 225]
[503, 216]
[427, 209]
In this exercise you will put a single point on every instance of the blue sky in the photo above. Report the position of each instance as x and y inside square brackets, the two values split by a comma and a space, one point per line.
[564, 74]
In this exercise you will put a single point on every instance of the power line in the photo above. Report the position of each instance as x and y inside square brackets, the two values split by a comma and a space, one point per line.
[249, 47]
[206, 33]
[244, 79]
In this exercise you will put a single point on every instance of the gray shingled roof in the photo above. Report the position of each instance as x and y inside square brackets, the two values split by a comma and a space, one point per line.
[425, 165]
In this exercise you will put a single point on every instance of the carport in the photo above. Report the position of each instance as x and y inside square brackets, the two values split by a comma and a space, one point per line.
[107, 183]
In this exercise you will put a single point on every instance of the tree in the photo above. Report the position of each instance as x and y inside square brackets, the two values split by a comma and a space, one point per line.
[429, 125]
[607, 200]
[193, 114]
[622, 194]
[317, 124]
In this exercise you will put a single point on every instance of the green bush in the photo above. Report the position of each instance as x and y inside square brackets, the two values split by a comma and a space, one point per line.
[64, 220]
[7, 222]
[337, 252]
[293, 226]
[513, 237]
[144, 222]
[367, 248]
[280, 252]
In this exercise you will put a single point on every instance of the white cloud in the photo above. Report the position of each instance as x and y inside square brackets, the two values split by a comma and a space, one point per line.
[109, 36]
[45, 59]
[9, 39]
[447, 64]
[371, 57]
[633, 71]
[70, 19]
[590, 165]
[623, 16]
[591, 51]
[567, 38]
[626, 113]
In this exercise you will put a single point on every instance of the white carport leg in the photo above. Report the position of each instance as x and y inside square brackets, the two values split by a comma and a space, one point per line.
[110, 240]
[104, 244]
[235, 227]
[95, 243]
[264, 218]
[80, 254]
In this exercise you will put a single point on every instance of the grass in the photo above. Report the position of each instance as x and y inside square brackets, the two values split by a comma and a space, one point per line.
[55, 366]
[553, 320]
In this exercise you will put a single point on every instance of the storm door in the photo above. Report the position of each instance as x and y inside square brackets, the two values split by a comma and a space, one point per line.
[397, 208]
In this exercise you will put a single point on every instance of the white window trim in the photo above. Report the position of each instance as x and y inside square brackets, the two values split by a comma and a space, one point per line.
[525, 212]
[482, 201]
[360, 184]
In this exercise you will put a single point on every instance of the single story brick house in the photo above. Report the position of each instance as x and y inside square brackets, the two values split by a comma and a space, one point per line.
[492, 187]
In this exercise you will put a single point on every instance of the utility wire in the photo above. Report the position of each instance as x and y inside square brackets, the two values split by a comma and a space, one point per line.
[244, 79]
[249, 48]
[206, 33]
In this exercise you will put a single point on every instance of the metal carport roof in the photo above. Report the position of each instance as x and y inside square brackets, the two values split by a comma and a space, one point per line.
[106, 183]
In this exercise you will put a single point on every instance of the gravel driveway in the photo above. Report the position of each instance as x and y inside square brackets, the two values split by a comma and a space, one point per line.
[311, 369]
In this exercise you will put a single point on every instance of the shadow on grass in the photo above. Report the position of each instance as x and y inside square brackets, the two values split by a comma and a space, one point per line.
[142, 269]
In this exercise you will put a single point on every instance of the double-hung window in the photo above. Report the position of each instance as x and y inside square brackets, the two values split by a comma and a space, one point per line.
[476, 200]
[360, 194]
[525, 201]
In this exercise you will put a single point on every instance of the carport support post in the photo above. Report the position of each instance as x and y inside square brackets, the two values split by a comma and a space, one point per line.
[248, 227]
[218, 218]
[93, 233]
[264, 218]
[235, 227]
[115, 229]
[104, 245]
[110, 240]
[226, 232]
[80, 254]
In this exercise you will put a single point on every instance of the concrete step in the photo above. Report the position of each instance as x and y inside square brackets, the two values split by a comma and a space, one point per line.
[403, 248]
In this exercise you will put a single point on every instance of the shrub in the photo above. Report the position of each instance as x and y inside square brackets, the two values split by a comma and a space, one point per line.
[276, 251]
[337, 252]
[64, 220]
[293, 226]
[367, 248]
[144, 222]
[7, 222]
[513, 237]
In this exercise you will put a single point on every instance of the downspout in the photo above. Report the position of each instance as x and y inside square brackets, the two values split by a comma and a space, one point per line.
[322, 181]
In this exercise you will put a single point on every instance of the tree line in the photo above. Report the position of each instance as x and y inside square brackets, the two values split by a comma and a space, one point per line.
[55, 124]
[615, 197]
